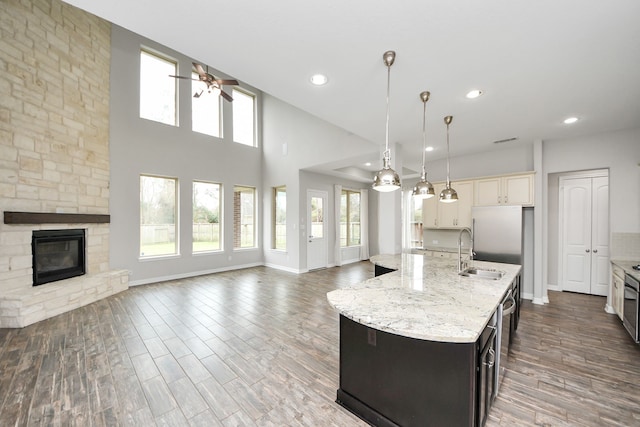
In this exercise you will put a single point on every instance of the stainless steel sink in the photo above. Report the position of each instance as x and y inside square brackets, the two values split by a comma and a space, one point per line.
[482, 274]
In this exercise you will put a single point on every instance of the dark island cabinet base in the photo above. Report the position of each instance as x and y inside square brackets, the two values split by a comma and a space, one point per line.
[390, 380]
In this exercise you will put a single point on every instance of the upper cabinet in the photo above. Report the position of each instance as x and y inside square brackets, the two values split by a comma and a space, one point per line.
[449, 215]
[504, 190]
[499, 190]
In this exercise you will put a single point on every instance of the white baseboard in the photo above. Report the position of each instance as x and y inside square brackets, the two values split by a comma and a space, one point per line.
[609, 309]
[191, 274]
[527, 295]
[282, 268]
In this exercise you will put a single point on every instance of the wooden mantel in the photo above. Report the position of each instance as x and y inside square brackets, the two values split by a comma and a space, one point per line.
[54, 218]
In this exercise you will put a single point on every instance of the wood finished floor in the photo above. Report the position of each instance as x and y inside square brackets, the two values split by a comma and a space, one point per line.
[260, 347]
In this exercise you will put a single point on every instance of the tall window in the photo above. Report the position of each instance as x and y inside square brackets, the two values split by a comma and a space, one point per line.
[350, 218]
[157, 89]
[158, 215]
[205, 109]
[206, 216]
[280, 218]
[244, 117]
[416, 221]
[244, 217]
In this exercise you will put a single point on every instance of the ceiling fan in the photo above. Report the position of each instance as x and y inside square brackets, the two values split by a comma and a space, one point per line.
[210, 80]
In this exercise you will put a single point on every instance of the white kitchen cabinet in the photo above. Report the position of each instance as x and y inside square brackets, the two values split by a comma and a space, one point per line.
[617, 289]
[449, 215]
[504, 190]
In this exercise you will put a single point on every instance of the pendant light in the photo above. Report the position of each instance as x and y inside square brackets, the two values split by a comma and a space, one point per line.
[424, 189]
[448, 195]
[386, 179]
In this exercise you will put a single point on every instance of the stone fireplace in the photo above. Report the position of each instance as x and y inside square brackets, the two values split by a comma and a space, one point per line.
[54, 155]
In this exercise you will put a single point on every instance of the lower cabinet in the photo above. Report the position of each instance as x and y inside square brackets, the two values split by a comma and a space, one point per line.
[617, 289]
[391, 380]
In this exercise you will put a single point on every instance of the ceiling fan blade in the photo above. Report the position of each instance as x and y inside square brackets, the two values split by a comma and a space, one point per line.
[181, 77]
[227, 82]
[226, 96]
[199, 69]
[197, 94]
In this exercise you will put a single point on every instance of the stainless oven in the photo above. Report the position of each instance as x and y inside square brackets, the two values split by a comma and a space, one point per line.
[631, 309]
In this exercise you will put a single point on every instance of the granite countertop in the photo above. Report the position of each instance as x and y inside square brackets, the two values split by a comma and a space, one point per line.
[425, 298]
[627, 265]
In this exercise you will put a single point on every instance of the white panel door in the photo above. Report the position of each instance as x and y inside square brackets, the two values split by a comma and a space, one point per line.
[600, 236]
[576, 235]
[317, 242]
[585, 235]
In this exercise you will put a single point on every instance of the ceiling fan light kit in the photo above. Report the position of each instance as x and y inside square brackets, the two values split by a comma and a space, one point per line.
[424, 189]
[214, 85]
[386, 179]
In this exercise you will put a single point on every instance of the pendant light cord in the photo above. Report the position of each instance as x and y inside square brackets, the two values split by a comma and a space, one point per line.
[424, 138]
[386, 146]
[448, 180]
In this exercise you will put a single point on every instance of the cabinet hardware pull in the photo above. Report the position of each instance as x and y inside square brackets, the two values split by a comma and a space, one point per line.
[587, 250]
[595, 251]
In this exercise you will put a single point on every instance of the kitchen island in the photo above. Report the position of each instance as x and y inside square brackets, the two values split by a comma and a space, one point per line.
[412, 341]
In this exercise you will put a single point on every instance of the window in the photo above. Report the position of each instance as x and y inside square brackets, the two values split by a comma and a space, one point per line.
[244, 217]
[206, 216]
[280, 218]
[157, 89]
[350, 218]
[158, 215]
[416, 204]
[205, 109]
[243, 117]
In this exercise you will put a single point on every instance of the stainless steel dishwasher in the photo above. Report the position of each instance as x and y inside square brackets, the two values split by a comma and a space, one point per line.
[505, 310]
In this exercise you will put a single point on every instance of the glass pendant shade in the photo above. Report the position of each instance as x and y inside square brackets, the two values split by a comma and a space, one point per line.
[386, 179]
[424, 189]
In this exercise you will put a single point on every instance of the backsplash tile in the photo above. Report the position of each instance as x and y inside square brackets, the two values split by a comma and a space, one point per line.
[625, 246]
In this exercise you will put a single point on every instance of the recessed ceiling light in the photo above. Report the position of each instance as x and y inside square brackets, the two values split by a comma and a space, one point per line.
[368, 164]
[474, 93]
[429, 148]
[319, 79]
[570, 120]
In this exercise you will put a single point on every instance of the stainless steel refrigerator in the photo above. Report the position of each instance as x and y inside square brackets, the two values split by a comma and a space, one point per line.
[498, 236]
[498, 233]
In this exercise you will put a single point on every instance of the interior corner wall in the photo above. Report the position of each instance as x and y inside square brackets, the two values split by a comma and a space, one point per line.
[619, 152]
[292, 141]
[139, 146]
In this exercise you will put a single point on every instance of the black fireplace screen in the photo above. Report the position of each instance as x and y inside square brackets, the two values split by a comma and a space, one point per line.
[57, 255]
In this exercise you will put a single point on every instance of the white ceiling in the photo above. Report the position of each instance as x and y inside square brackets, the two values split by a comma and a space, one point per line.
[538, 62]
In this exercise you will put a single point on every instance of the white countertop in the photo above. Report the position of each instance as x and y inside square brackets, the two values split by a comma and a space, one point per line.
[627, 266]
[424, 299]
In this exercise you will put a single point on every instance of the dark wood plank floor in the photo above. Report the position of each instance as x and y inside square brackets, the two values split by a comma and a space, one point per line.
[260, 347]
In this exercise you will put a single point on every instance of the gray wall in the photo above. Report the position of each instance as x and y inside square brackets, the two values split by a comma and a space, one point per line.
[139, 146]
[619, 152]
[292, 141]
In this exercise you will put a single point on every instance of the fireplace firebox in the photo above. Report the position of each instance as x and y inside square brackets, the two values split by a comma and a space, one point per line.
[57, 255]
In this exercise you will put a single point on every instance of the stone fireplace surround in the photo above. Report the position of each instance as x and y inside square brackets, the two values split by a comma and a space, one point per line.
[24, 303]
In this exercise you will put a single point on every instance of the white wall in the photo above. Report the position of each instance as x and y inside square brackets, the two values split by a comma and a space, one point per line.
[139, 146]
[294, 140]
[619, 152]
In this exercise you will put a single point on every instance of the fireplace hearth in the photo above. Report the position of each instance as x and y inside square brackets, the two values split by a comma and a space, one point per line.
[57, 255]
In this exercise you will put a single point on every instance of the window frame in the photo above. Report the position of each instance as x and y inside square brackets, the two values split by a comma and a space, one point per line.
[347, 238]
[176, 213]
[194, 84]
[237, 234]
[274, 222]
[176, 95]
[254, 113]
[220, 217]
